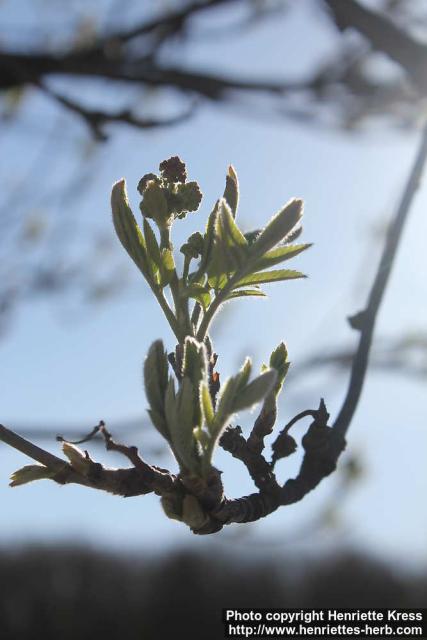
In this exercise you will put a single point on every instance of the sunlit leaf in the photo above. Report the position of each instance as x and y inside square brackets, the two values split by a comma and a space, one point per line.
[242, 293]
[156, 383]
[200, 293]
[127, 229]
[278, 227]
[255, 391]
[152, 245]
[206, 403]
[270, 276]
[231, 191]
[279, 254]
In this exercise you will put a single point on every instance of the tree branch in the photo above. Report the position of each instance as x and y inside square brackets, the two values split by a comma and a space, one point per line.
[123, 482]
[383, 35]
[365, 322]
[96, 119]
[31, 450]
[170, 22]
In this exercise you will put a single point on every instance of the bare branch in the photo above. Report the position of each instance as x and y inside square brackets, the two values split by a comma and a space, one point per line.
[96, 119]
[123, 482]
[383, 35]
[31, 450]
[170, 22]
[367, 319]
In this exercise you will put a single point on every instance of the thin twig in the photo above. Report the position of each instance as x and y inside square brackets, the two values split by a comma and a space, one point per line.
[85, 439]
[96, 119]
[31, 450]
[171, 22]
[366, 320]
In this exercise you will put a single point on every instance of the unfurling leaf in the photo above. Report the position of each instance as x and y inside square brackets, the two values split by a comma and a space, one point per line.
[152, 245]
[179, 409]
[78, 459]
[30, 473]
[243, 376]
[227, 399]
[231, 191]
[243, 293]
[256, 390]
[127, 229]
[269, 276]
[227, 228]
[156, 383]
[195, 363]
[206, 404]
[279, 254]
[278, 227]
[200, 293]
[280, 363]
[195, 368]
[230, 248]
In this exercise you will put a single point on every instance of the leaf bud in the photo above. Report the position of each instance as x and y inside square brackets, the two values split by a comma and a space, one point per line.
[283, 447]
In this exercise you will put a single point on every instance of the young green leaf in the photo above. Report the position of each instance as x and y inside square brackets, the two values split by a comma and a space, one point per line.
[206, 404]
[200, 293]
[224, 407]
[255, 391]
[227, 228]
[279, 254]
[195, 368]
[229, 250]
[243, 376]
[269, 276]
[152, 245]
[230, 390]
[209, 237]
[280, 363]
[156, 384]
[278, 228]
[242, 293]
[195, 364]
[127, 229]
[231, 191]
[30, 473]
[180, 419]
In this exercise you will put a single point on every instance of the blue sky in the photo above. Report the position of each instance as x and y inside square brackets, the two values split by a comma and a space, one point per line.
[58, 371]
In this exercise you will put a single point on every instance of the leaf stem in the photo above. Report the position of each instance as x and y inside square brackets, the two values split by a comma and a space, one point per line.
[181, 317]
[218, 300]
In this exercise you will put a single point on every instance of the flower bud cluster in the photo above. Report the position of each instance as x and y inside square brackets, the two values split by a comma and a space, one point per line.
[169, 195]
